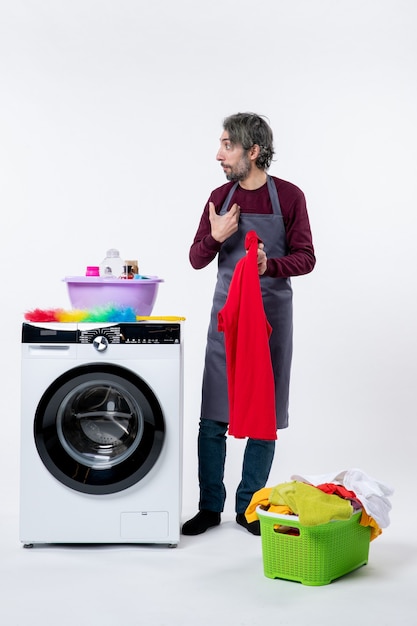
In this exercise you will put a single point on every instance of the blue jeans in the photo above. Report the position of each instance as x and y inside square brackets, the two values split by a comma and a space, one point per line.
[257, 462]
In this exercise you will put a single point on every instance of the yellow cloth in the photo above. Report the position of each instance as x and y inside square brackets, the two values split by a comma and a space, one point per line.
[367, 520]
[261, 498]
[312, 505]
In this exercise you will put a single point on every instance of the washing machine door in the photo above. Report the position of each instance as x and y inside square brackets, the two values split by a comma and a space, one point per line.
[99, 428]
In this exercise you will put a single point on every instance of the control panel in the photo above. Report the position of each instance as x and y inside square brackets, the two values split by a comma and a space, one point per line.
[126, 333]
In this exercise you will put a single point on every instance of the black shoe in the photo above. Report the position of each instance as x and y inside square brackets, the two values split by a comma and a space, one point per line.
[201, 522]
[252, 527]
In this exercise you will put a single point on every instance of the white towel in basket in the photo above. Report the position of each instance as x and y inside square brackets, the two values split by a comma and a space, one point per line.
[373, 494]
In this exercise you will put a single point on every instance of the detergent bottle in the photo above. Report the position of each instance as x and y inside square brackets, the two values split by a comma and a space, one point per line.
[127, 272]
[112, 265]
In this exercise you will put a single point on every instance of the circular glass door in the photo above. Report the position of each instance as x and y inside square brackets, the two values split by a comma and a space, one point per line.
[99, 428]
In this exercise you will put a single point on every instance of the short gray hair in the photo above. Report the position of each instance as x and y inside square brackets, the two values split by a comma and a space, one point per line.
[249, 129]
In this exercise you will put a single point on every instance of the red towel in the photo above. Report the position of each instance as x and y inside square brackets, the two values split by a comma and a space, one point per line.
[250, 376]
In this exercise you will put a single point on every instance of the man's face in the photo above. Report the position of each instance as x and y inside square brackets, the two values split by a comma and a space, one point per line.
[233, 159]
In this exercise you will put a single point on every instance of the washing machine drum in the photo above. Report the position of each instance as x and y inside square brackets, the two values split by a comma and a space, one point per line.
[99, 428]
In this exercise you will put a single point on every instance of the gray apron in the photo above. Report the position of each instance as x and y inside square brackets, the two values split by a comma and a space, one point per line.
[277, 299]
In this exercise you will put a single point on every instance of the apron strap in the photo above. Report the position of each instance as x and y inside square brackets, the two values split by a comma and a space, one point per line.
[273, 194]
[226, 203]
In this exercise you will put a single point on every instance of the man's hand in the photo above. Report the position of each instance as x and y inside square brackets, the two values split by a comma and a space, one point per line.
[223, 226]
[262, 259]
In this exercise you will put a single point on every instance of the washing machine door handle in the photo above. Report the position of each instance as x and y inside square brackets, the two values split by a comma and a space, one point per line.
[100, 343]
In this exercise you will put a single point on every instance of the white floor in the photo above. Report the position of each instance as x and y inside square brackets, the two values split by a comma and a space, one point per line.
[213, 579]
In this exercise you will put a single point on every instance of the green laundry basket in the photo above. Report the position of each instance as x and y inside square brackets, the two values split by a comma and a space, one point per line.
[312, 555]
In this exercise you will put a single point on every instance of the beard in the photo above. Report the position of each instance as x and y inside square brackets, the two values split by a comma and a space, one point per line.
[240, 171]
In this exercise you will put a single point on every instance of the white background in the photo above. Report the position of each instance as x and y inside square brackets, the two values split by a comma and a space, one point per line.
[110, 114]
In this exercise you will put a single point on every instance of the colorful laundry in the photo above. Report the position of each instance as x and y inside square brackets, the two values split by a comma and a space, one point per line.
[372, 494]
[312, 505]
[261, 498]
[324, 502]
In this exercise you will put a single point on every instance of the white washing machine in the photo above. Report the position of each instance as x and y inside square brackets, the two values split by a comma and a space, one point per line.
[101, 433]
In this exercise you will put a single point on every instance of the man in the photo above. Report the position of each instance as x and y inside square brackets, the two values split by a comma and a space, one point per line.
[276, 210]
